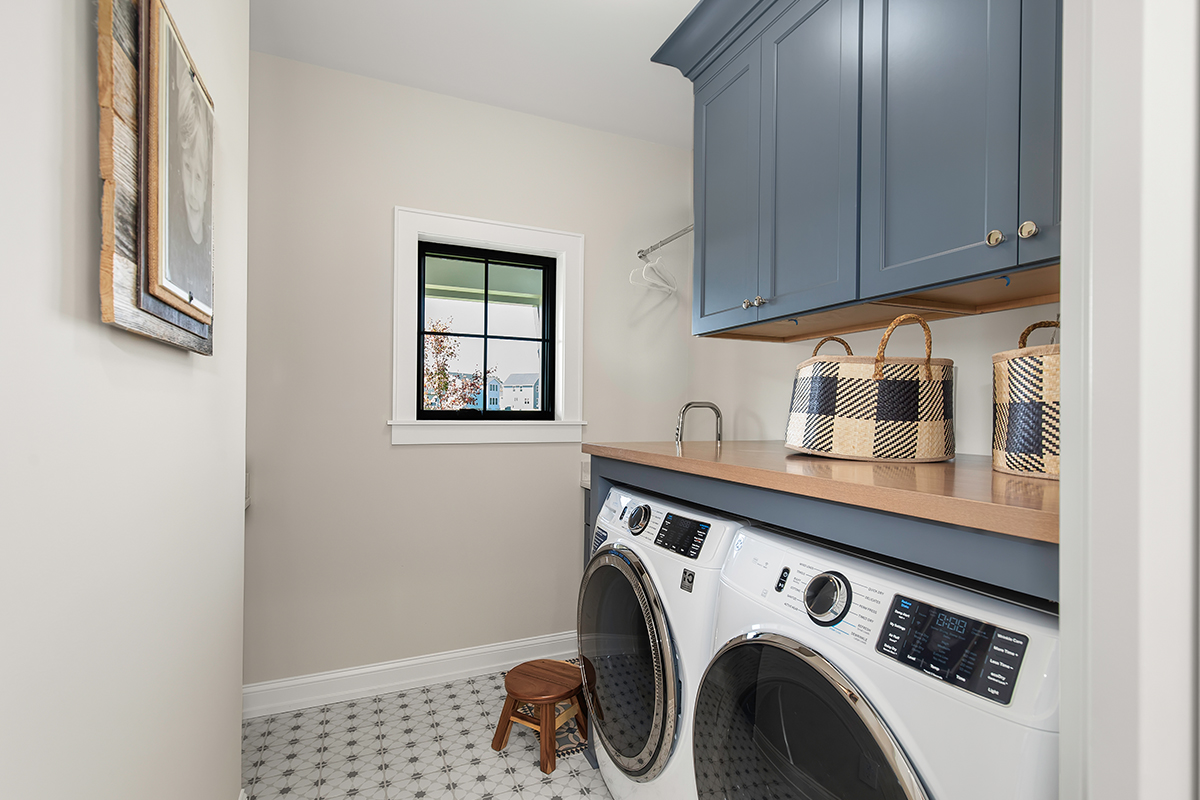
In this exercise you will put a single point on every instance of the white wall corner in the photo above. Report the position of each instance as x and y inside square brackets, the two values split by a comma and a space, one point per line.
[1129, 311]
[305, 691]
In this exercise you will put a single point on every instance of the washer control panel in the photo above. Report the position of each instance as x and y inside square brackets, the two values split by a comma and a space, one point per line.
[684, 531]
[682, 535]
[973, 655]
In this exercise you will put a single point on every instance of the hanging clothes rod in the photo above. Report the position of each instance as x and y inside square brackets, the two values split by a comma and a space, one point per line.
[643, 253]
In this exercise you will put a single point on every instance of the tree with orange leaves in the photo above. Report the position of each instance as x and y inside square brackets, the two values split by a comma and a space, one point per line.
[444, 389]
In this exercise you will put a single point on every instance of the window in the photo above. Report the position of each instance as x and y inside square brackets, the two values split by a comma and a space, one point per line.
[486, 321]
[551, 410]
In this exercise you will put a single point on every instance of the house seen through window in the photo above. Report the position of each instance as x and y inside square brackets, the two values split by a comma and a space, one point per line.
[485, 344]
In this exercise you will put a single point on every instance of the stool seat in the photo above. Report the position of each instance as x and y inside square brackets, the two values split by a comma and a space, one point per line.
[542, 684]
[543, 681]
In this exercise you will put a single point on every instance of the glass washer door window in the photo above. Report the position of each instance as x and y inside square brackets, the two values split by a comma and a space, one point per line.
[485, 343]
[629, 662]
[776, 721]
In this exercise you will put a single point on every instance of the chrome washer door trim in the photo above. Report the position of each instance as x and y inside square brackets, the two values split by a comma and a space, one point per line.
[910, 783]
[652, 759]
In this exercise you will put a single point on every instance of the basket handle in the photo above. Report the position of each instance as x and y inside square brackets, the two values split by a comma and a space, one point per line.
[888, 333]
[1025, 336]
[842, 342]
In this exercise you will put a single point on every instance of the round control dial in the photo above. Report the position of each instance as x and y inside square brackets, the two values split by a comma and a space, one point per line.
[639, 518]
[827, 598]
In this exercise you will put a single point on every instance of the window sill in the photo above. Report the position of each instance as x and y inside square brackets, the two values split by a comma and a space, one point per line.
[499, 432]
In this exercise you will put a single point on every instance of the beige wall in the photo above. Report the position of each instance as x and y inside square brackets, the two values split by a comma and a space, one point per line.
[121, 460]
[359, 552]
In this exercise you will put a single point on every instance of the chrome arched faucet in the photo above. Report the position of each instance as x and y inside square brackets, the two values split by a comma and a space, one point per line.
[683, 412]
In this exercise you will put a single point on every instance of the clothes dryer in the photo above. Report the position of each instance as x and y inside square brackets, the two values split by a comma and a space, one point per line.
[838, 678]
[647, 604]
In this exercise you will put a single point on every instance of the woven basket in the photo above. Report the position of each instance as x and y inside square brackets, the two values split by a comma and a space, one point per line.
[874, 409]
[1025, 396]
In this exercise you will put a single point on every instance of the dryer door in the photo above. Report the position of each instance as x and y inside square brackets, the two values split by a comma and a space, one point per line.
[774, 719]
[628, 662]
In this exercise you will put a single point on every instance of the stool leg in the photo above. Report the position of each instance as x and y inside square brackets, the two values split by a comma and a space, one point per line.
[549, 737]
[581, 715]
[500, 740]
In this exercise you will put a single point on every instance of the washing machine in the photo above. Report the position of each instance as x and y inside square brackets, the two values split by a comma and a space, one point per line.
[647, 606]
[838, 678]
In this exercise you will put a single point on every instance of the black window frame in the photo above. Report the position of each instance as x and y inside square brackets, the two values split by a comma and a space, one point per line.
[549, 267]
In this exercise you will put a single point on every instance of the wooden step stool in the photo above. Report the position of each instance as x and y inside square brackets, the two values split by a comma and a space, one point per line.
[542, 684]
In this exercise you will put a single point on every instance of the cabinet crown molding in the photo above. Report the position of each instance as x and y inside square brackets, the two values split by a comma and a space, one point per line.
[706, 32]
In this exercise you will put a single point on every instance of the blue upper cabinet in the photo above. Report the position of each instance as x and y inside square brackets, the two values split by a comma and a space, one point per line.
[808, 212]
[726, 193]
[941, 120]
[848, 150]
[776, 166]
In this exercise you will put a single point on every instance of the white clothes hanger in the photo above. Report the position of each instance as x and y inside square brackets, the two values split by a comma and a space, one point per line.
[653, 277]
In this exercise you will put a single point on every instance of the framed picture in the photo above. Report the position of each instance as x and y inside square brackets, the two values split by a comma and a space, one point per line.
[178, 179]
[133, 192]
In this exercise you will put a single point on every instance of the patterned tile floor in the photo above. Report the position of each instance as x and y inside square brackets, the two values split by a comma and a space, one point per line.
[432, 743]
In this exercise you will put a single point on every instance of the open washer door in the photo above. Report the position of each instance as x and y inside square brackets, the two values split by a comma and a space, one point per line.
[776, 721]
[628, 662]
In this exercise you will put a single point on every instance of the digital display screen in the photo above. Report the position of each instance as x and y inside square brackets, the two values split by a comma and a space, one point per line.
[682, 535]
[951, 623]
[973, 655]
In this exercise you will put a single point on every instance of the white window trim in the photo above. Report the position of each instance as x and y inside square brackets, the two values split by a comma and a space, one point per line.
[566, 249]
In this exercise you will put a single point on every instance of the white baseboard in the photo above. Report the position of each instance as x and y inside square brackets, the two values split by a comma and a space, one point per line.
[304, 691]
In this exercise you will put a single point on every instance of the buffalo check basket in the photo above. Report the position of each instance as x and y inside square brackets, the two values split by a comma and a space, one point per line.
[1025, 398]
[874, 409]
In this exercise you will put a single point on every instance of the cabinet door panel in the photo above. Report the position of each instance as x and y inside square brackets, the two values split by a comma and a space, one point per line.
[726, 194]
[940, 136]
[1041, 129]
[809, 208]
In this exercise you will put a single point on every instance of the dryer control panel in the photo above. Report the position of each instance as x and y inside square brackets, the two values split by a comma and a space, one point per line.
[944, 641]
[783, 578]
[976, 656]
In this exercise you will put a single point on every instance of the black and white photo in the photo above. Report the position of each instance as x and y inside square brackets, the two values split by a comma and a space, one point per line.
[179, 175]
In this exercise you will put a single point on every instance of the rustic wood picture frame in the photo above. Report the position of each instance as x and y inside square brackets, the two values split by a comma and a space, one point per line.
[124, 301]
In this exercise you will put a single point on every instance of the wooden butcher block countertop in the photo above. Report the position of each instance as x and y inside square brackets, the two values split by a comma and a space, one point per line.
[964, 491]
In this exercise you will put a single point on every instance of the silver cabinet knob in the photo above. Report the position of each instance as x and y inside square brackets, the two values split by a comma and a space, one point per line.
[746, 304]
[1028, 229]
[758, 301]
[994, 238]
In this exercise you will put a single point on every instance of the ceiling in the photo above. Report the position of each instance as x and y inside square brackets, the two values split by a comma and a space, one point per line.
[585, 62]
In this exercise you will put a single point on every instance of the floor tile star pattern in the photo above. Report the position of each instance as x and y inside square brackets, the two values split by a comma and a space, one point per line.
[430, 743]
